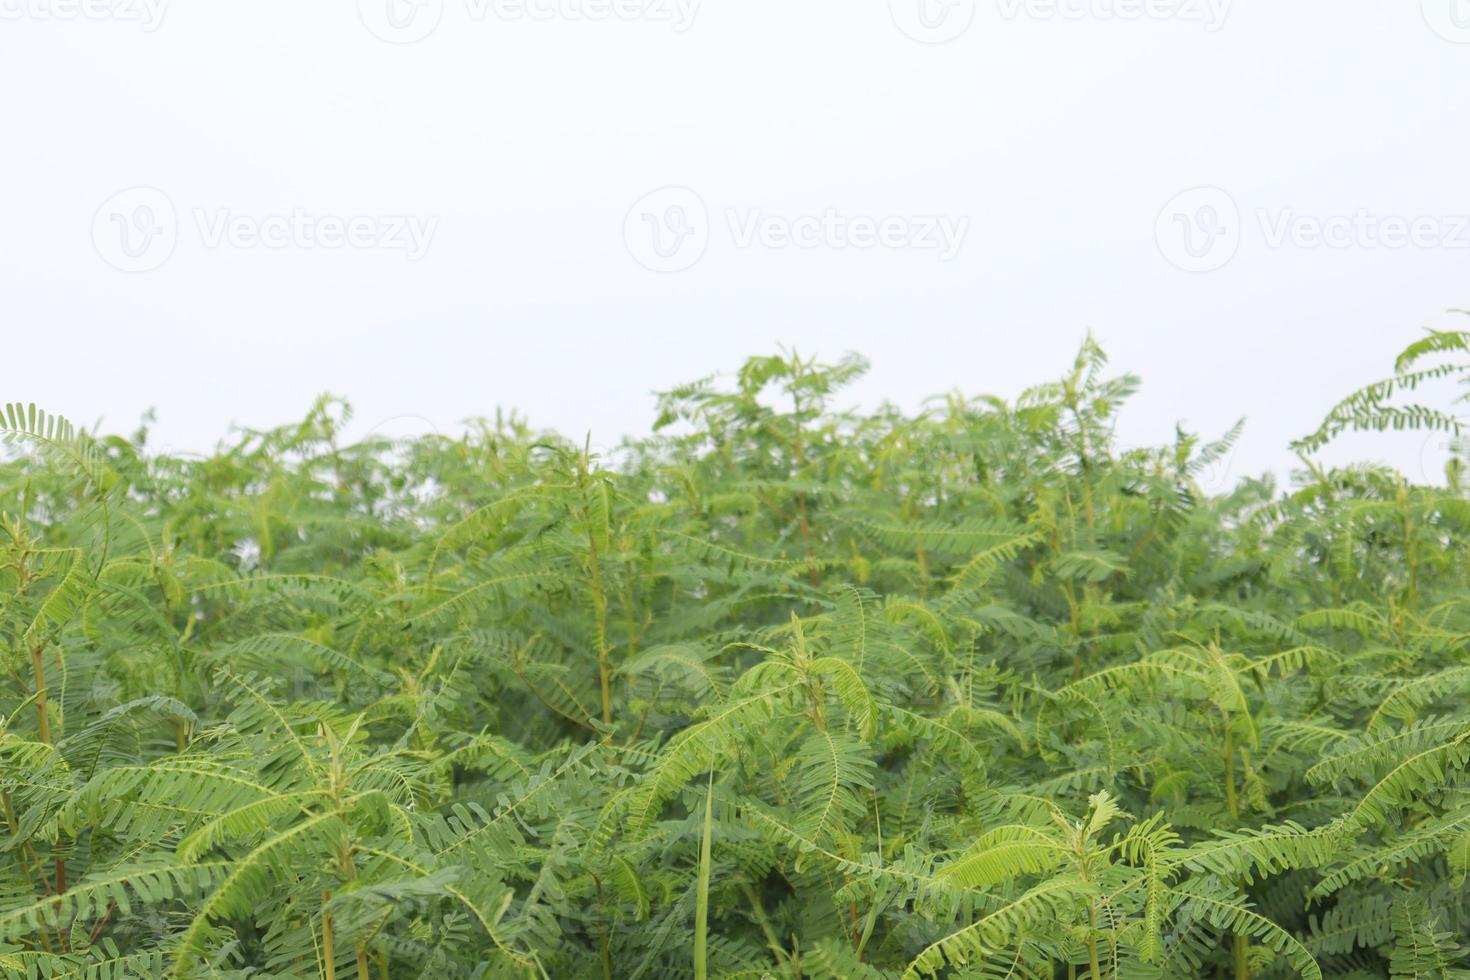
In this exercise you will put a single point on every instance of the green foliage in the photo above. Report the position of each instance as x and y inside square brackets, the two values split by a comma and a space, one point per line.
[778, 691]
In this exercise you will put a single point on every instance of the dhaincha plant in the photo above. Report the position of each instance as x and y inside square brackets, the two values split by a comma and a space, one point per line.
[780, 691]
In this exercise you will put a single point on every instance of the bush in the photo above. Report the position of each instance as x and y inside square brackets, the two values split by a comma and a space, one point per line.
[779, 690]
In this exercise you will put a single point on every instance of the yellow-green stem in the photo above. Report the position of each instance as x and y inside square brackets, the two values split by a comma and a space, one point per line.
[1241, 945]
[329, 964]
[41, 709]
[599, 608]
[1092, 960]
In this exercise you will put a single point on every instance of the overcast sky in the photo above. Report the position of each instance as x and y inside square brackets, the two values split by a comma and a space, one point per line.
[438, 207]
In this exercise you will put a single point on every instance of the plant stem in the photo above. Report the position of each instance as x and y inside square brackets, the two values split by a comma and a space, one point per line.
[599, 608]
[41, 712]
[759, 913]
[329, 965]
[701, 895]
[1241, 943]
[1092, 960]
[1231, 803]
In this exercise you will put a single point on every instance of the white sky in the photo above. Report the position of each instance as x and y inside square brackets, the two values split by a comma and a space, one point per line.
[523, 142]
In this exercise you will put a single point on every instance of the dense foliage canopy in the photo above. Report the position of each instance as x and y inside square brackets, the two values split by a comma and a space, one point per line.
[782, 690]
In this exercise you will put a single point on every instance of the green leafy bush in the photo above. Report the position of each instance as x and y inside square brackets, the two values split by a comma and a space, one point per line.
[778, 691]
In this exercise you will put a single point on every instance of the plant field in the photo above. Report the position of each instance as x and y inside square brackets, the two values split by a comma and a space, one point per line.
[781, 690]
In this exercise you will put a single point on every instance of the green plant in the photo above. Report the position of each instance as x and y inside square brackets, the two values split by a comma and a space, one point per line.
[779, 690]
